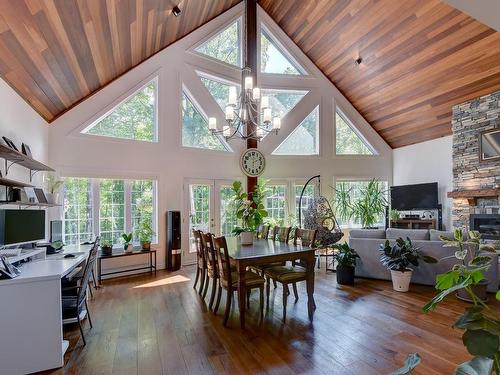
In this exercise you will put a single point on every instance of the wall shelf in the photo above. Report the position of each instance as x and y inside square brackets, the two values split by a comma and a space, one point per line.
[29, 204]
[15, 157]
[12, 183]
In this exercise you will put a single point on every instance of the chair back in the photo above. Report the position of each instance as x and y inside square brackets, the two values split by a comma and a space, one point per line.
[281, 234]
[200, 256]
[208, 248]
[264, 232]
[93, 254]
[222, 255]
[87, 273]
[307, 237]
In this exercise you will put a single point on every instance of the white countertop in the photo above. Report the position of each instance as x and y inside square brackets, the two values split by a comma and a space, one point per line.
[52, 267]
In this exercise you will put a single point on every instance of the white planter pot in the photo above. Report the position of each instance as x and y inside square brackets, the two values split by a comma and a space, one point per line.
[129, 248]
[246, 238]
[52, 198]
[401, 280]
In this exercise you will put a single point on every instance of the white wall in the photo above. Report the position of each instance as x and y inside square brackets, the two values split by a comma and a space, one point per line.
[429, 161]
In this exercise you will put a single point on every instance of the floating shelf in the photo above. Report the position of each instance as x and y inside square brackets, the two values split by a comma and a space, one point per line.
[12, 183]
[29, 204]
[472, 195]
[15, 157]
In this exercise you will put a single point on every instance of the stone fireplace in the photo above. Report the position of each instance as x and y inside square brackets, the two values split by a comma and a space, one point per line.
[476, 185]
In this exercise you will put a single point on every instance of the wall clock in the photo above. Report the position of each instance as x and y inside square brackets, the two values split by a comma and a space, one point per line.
[252, 162]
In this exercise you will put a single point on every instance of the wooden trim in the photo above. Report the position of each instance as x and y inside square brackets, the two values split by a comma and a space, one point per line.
[472, 195]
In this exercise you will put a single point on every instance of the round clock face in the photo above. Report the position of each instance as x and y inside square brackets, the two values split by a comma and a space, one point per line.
[252, 162]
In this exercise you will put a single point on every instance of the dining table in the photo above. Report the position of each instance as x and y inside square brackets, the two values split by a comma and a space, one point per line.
[263, 252]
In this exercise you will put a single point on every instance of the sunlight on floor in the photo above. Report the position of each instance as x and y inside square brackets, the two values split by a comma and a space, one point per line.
[165, 281]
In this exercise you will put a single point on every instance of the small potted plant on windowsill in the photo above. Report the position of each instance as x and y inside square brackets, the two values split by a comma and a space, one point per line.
[398, 257]
[146, 235]
[106, 247]
[127, 244]
[346, 262]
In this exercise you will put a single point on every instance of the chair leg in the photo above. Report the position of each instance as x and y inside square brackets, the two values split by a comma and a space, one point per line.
[275, 284]
[81, 331]
[212, 295]
[90, 290]
[261, 301]
[248, 298]
[285, 296]
[216, 308]
[295, 292]
[88, 314]
[205, 290]
[93, 278]
[228, 306]
[268, 290]
[196, 277]
[202, 280]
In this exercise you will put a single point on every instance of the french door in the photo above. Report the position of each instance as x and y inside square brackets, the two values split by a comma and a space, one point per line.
[208, 208]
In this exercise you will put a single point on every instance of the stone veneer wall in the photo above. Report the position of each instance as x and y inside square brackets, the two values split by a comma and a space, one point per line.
[468, 121]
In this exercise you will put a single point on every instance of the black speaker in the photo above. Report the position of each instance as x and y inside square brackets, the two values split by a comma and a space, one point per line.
[174, 251]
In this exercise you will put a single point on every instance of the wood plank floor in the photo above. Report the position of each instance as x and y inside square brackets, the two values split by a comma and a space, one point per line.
[147, 325]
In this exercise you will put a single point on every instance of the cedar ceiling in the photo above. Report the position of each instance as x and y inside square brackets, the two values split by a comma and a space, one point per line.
[420, 57]
[55, 53]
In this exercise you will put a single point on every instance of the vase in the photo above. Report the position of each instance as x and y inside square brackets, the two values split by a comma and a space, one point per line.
[345, 275]
[479, 290]
[129, 248]
[401, 280]
[246, 238]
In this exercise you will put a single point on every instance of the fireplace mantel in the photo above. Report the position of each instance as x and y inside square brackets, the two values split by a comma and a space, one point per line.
[473, 195]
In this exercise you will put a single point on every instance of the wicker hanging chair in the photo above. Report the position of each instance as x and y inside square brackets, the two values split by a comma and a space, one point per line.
[320, 216]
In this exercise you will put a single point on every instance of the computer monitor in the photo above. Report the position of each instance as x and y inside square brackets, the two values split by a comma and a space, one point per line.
[21, 226]
[56, 230]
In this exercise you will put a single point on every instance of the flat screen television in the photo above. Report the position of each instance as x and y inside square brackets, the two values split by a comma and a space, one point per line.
[21, 226]
[414, 197]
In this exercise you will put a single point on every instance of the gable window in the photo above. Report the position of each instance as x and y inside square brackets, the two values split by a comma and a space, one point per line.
[273, 60]
[134, 118]
[219, 90]
[195, 132]
[224, 46]
[304, 140]
[348, 141]
[107, 208]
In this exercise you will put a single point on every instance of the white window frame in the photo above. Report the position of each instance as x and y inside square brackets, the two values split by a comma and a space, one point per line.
[337, 111]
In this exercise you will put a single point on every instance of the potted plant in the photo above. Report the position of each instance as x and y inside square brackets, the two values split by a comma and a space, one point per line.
[106, 247]
[53, 187]
[481, 326]
[127, 244]
[394, 215]
[146, 234]
[477, 256]
[346, 262]
[249, 210]
[398, 257]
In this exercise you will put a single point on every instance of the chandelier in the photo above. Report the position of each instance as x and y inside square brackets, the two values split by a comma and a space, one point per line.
[247, 115]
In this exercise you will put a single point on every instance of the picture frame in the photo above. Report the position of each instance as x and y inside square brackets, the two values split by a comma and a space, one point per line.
[10, 143]
[30, 194]
[489, 141]
[26, 150]
[40, 195]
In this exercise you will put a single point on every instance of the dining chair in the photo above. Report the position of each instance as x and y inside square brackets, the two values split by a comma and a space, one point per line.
[212, 271]
[74, 306]
[281, 234]
[293, 274]
[201, 264]
[229, 279]
[263, 232]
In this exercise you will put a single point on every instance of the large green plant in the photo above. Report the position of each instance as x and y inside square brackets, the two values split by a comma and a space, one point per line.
[481, 327]
[251, 212]
[401, 255]
[345, 255]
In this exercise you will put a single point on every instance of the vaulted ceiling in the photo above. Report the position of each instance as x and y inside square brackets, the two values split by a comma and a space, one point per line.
[419, 57]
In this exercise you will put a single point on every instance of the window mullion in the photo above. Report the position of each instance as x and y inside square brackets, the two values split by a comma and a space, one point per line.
[128, 206]
[96, 206]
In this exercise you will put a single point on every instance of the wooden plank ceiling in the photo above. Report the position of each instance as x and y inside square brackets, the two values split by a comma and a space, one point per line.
[55, 53]
[420, 57]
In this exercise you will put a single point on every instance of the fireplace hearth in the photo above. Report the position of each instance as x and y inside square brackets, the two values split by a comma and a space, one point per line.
[488, 225]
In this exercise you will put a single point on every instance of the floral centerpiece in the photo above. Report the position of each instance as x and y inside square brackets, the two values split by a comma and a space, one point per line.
[250, 210]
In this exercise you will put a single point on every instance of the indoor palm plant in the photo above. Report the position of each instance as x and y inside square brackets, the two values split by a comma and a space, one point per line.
[481, 326]
[249, 210]
[398, 257]
[346, 257]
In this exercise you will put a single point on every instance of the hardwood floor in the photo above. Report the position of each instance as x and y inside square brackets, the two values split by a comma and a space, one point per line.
[147, 325]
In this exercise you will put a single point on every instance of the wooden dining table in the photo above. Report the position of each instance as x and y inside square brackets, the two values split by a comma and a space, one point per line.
[267, 251]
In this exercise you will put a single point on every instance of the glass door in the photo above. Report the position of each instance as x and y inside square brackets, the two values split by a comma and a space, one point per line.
[226, 219]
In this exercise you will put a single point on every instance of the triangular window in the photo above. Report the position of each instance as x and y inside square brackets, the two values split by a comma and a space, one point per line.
[282, 101]
[304, 140]
[195, 131]
[274, 60]
[219, 90]
[224, 46]
[348, 141]
[134, 118]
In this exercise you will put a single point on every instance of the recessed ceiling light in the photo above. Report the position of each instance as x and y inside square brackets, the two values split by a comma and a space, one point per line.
[176, 11]
[358, 61]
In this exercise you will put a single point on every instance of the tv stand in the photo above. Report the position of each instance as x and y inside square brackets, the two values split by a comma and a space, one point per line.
[413, 224]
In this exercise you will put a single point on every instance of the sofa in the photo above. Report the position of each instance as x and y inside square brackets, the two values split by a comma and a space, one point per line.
[367, 242]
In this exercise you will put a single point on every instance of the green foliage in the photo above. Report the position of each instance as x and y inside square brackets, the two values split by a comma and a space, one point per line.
[106, 244]
[146, 232]
[347, 141]
[412, 361]
[401, 255]
[272, 59]
[342, 203]
[132, 119]
[304, 140]
[345, 255]
[251, 212]
[78, 220]
[53, 184]
[481, 327]
[127, 238]
[225, 46]
[394, 215]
